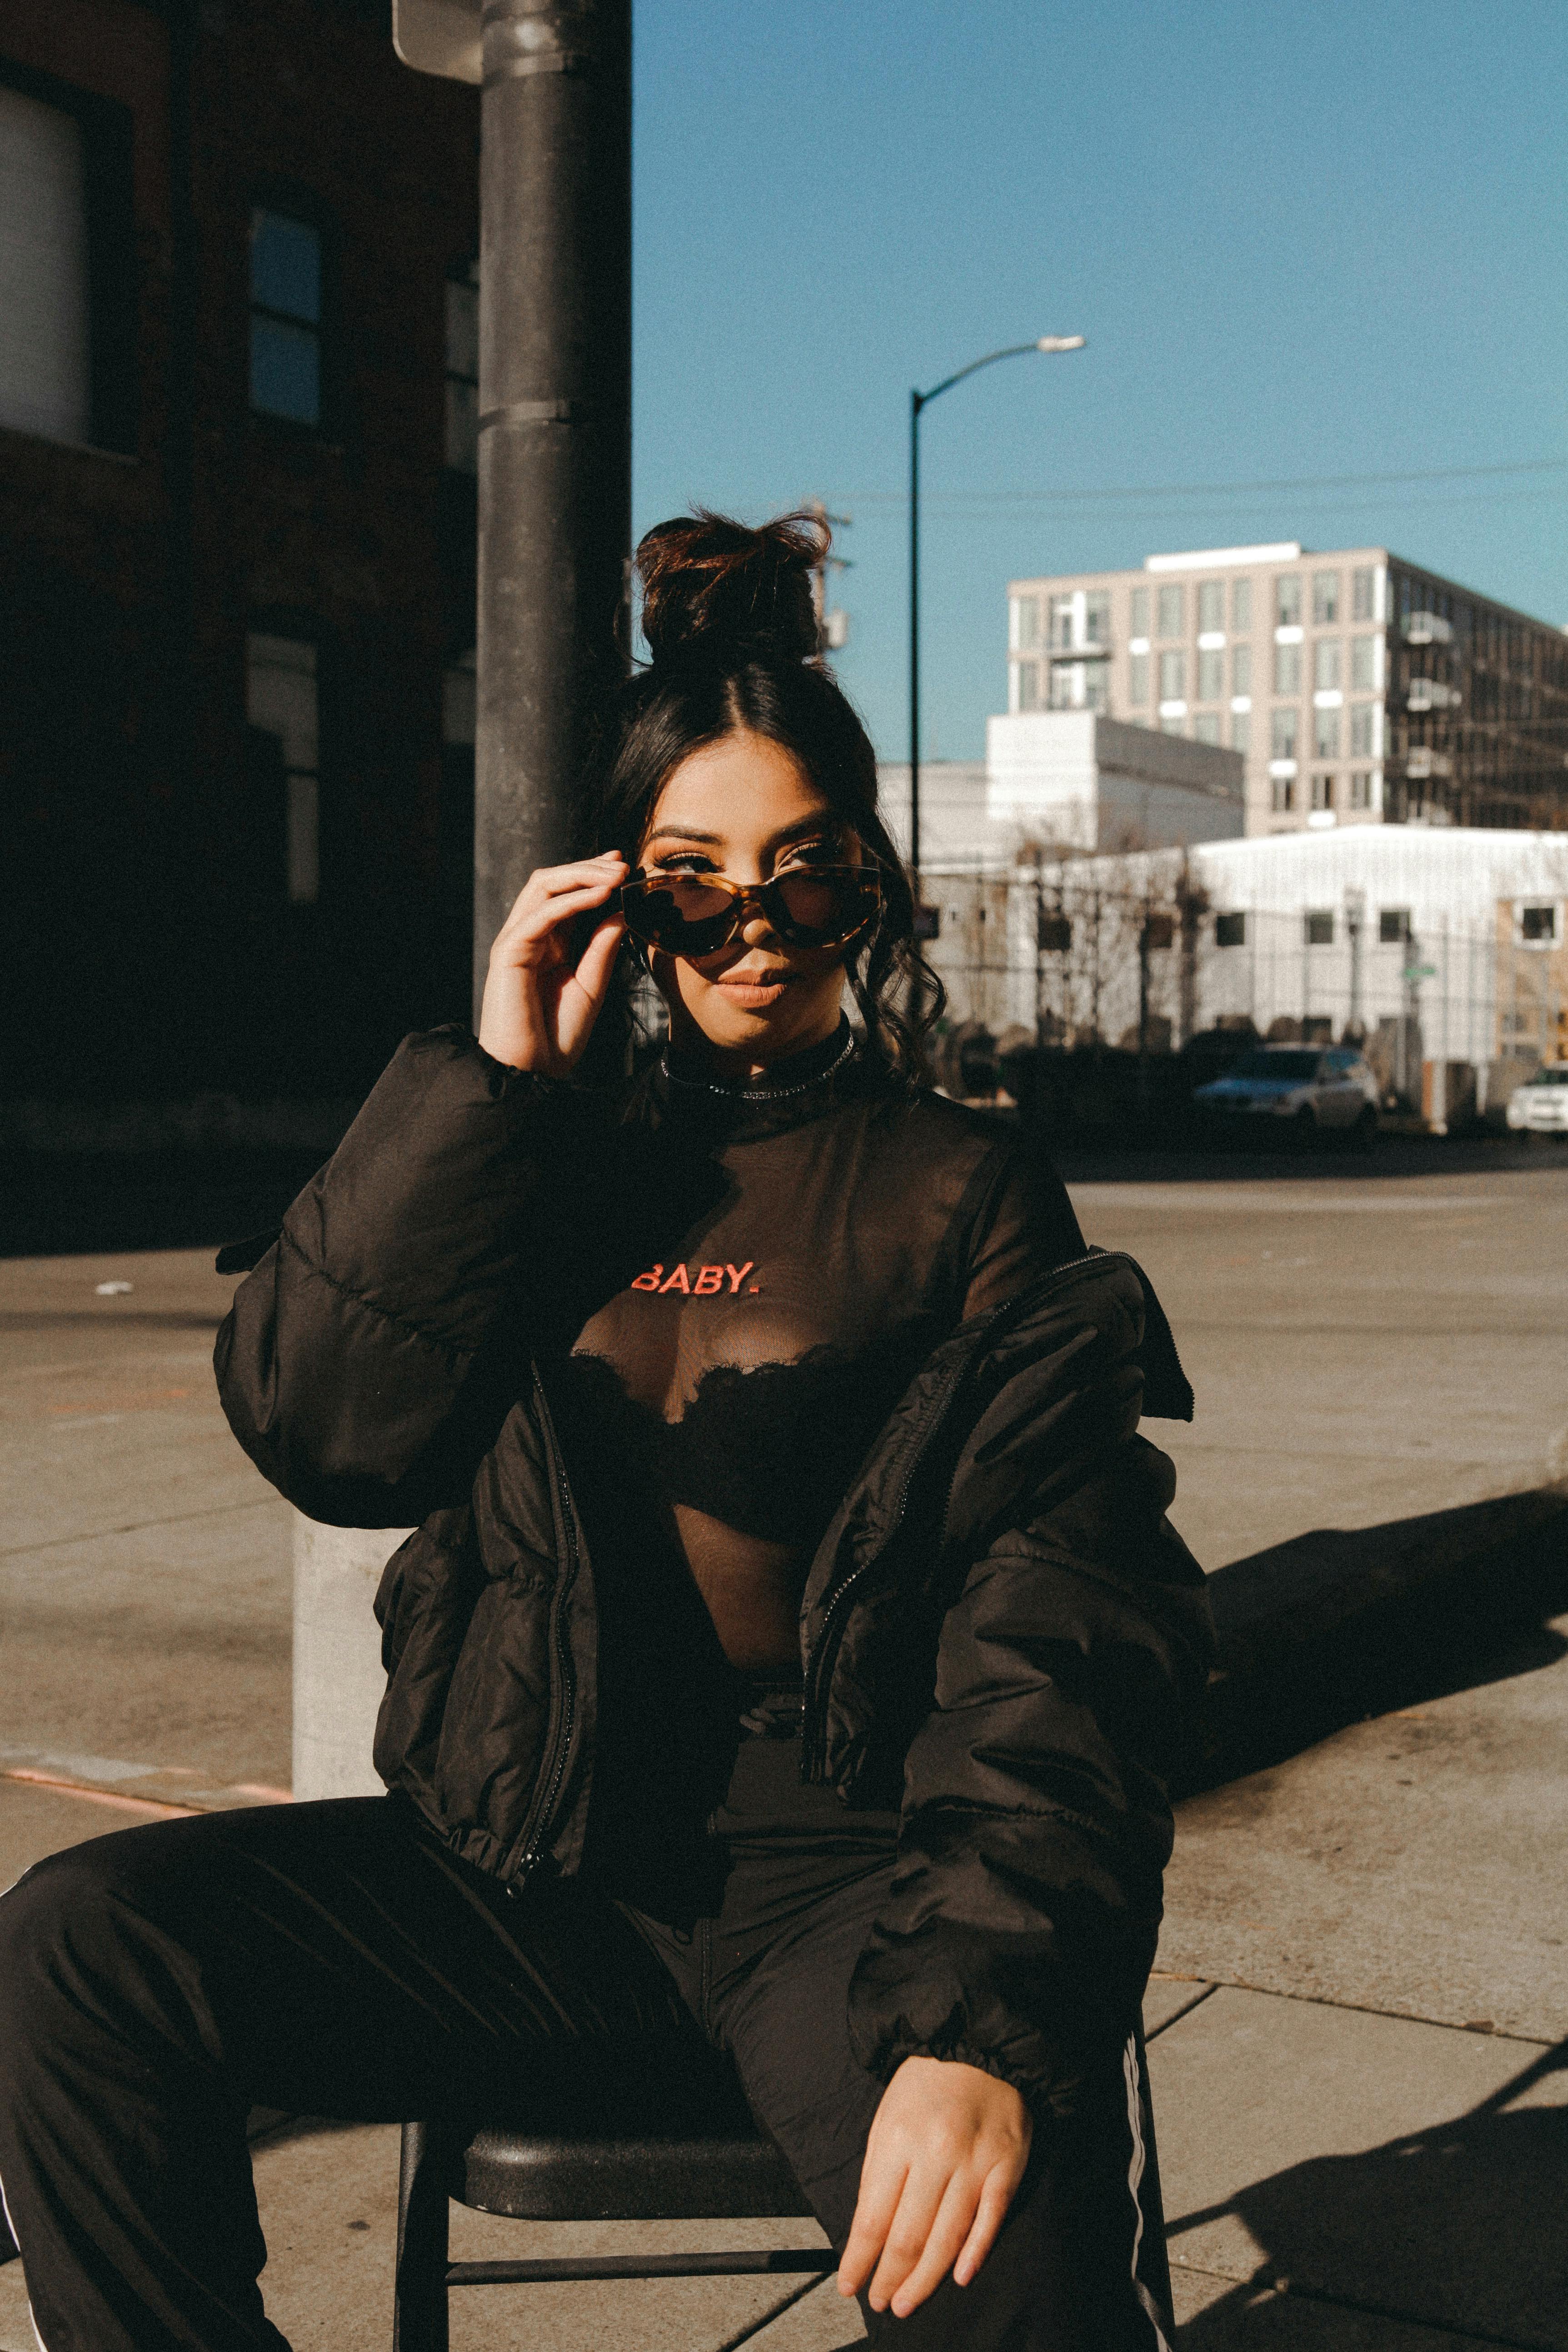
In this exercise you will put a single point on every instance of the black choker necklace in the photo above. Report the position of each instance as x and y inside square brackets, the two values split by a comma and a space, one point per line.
[758, 1094]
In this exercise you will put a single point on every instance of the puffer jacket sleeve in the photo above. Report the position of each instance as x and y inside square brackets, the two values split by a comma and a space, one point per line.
[1024, 1909]
[369, 1357]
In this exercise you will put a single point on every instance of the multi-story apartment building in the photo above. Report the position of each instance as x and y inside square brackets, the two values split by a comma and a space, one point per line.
[1360, 688]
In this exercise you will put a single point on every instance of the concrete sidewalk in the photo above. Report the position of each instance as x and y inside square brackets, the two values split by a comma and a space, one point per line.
[1360, 2031]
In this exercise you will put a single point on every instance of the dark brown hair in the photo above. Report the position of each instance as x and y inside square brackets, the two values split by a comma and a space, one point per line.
[731, 630]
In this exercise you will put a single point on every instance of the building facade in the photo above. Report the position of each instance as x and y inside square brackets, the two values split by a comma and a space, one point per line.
[1358, 687]
[1449, 946]
[236, 494]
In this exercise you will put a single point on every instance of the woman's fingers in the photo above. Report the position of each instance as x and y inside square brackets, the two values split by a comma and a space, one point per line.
[597, 961]
[948, 2231]
[995, 2199]
[881, 2185]
[909, 2241]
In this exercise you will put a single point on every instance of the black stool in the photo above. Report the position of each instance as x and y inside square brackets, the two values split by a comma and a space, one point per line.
[614, 2176]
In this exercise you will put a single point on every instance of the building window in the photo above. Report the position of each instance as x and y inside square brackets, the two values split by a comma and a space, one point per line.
[1325, 598]
[1211, 605]
[1286, 669]
[280, 702]
[1241, 730]
[1064, 675]
[1029, 685]
[1326, 734]
[1282, 795]
[1538, 925]
[1240, 607]
[1097, 617]
[1287, 602]
[1360, 789]
[1319, 926]
[1323, 792]
[1171, 602]
[1362, 657]
[1211, 677]
[1362, 592]
[285, 317]
[1172, 676]
[1138, 680]
[1170, 723]
[1059, 635]
[463, 371]
[1362, 745]
[1241, 670]
[1097, 686]
[45, 352]
[1139, 626]
[1206, 726]
[1230, 931]
[1282, 734]
[1326, 660]
[1393, 926]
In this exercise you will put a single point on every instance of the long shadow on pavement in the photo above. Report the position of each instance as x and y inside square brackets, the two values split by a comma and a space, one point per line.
[1456, 2227]
[1338, 1625]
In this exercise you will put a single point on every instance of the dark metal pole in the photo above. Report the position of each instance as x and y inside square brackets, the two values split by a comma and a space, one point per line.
[555, 478]
[916, 404]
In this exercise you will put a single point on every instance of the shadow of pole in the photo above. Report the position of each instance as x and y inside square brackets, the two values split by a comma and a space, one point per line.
[1340, 1624]
[1457, 2227]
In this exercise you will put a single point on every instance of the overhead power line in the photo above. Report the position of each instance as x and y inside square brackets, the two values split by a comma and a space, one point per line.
[1213, 489]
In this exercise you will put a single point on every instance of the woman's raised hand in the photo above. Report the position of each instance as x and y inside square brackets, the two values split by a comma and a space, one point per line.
[947, 2149]
[539, 1005]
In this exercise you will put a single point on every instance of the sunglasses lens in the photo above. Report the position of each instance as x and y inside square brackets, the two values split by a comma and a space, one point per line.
[682, 912]
[825, 904]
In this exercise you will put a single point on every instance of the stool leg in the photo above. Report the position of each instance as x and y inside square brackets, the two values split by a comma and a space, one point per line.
[419, 2294]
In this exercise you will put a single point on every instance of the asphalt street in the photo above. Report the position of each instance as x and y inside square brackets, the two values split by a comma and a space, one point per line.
[1361, 2020]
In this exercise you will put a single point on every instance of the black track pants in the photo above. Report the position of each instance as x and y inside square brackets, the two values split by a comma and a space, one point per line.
[334, 1959]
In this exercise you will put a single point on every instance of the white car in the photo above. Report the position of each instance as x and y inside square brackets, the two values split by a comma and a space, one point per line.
[1540, 1106]
[1307, 1089]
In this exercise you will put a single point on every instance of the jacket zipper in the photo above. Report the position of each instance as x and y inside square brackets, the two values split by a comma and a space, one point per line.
[539, 1834]
[818, 1666]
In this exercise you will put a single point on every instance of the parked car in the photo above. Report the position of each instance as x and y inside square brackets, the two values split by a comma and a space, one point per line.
[1540, 1107]
[1309, 1089]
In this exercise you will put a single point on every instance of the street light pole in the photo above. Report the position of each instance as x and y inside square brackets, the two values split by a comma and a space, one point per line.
[919, 400]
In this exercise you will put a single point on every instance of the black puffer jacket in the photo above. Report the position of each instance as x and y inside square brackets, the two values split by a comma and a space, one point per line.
[1001, 1631]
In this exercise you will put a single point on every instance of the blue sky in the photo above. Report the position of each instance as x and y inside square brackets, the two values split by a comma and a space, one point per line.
[1303, 242]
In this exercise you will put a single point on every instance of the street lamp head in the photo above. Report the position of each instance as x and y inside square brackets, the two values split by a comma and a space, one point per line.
[1061, 343]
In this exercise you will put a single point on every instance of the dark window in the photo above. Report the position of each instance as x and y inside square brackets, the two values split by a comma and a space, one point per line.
[1054, 933]
[1230, 931]
[1319, 927]
[1537, 924]
[1393, 926]
[285, 317]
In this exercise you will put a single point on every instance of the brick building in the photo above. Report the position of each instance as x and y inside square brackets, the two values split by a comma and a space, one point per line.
[237, 506]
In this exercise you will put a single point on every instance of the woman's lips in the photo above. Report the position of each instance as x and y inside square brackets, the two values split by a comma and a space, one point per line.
[753, 990]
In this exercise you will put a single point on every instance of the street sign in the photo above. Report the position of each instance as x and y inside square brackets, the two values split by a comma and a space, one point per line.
[1419, 971]
[439, 37]
[928, 922]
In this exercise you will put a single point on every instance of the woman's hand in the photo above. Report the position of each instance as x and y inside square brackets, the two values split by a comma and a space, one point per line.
[947, 2150]
[539, 1008]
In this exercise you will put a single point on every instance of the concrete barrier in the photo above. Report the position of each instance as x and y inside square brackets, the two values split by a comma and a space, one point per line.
[338, 1680]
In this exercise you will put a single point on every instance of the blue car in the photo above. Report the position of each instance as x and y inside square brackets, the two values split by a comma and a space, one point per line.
[1301, 1091]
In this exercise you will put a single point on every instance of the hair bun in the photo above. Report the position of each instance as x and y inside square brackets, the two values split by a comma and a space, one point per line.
[713, 587]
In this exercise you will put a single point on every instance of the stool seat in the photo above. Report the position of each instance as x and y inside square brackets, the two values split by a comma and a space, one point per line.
[531, 2176]
[696, 2155]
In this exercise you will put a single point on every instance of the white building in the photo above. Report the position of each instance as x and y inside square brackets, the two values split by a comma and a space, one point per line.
[1065, 779]
[1449, 945]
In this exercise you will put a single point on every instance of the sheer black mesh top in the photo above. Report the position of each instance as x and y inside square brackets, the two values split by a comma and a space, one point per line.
[806, 1244]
